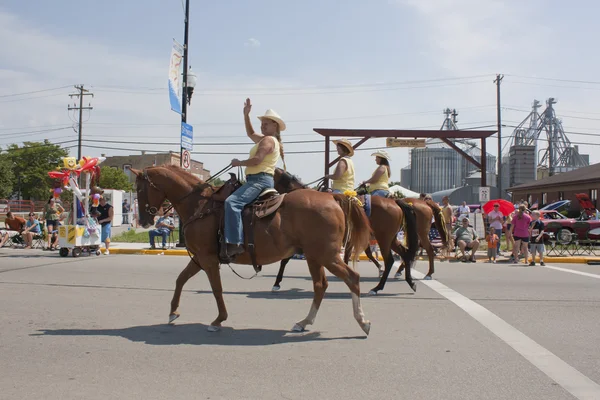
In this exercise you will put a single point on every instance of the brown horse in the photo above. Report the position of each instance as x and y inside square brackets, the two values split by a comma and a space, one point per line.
[388, 216]
[425, 211]
[306, 219]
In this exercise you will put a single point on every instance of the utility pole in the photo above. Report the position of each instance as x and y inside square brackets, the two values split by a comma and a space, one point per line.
[498, 80]
[82, 92]
[184, 100]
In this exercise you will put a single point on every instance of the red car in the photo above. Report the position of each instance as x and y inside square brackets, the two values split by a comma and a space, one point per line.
[565, 227]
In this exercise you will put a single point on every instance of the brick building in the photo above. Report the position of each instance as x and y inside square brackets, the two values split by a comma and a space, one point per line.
[141, 161]
[563, 186]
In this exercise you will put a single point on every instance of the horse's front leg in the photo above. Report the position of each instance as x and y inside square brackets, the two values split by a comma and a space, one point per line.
[213, 273]
[190, 270]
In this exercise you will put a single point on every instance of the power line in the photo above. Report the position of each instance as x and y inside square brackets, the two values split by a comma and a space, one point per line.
[34, 92]
[313, 87]
[555, 79]
[18, 134]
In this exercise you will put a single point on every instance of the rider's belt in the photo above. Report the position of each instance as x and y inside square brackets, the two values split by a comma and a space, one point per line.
[260, 174]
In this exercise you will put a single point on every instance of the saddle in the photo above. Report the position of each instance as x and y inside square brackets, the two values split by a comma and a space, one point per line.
[265, 205]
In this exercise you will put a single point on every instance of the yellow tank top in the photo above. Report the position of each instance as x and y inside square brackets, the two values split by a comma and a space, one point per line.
[268, 163]
[381, 183]
[346, 182]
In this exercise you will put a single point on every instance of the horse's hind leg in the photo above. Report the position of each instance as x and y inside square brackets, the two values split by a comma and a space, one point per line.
[431, 256]
[279, 278]
[371, 257]
[190, 270]
[341, 270]
[320, 286]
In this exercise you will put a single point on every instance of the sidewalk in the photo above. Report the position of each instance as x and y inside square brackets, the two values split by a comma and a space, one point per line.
[481, 256]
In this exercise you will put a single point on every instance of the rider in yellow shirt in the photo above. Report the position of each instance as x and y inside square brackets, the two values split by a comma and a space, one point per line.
[343, 176]
[378, 183]
[260, 168]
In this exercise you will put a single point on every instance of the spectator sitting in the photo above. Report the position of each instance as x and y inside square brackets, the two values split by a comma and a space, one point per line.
[466, 238]
[14, 226]
[33, 228]
[164, 226]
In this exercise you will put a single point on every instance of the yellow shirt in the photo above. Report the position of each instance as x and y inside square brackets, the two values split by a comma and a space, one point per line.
[268, 163]
[381, 183]
[346, 182]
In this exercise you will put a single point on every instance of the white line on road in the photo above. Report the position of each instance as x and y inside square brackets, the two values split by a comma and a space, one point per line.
[572, 271]
[562, 373]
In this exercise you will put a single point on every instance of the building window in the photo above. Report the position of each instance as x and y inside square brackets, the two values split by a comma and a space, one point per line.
[561, 196]
[544, 198]
[127, 170]
[594, 196]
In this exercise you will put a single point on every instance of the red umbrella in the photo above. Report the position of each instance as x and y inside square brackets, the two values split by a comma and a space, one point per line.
[506, 207]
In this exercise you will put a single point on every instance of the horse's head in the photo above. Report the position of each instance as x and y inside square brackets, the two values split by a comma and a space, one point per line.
[150, 197]
[286, 182]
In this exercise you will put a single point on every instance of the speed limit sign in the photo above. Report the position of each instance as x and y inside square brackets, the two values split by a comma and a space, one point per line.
[186, 159]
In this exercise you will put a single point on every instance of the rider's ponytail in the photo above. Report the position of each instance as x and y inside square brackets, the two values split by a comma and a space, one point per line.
[281, 152]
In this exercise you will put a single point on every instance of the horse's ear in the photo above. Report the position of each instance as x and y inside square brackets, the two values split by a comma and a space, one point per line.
[233, 177]
[137, 172]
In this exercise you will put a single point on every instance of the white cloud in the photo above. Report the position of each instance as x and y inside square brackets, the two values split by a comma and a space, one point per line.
[252, 43]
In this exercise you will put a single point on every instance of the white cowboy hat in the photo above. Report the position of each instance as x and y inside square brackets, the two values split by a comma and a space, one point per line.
[346, 143]
[382, 154]
[273, 116]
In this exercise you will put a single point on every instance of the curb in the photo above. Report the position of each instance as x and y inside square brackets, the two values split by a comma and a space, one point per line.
[363, 257]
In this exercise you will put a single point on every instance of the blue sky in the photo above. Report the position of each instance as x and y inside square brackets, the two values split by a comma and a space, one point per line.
[293, 57]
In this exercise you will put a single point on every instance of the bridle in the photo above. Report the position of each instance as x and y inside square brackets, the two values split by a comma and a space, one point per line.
[153, 211]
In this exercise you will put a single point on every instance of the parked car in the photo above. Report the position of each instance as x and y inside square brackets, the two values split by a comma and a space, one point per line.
[565, 227]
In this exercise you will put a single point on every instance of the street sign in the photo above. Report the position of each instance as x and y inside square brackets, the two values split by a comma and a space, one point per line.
[484, 194]
[393, 142]
[187, 136]
[186, 159]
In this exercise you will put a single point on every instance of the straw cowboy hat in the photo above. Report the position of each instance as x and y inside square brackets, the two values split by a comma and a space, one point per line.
[345, 143]
[382, 154]
[273, 116]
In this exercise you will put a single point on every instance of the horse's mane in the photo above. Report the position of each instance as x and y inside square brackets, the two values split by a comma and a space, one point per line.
[186, 175]
[287, 178]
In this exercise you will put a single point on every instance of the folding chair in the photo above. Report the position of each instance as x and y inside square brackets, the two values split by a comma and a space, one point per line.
[40, 239]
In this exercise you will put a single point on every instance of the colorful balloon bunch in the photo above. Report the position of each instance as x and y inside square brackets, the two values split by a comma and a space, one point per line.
[71, 169]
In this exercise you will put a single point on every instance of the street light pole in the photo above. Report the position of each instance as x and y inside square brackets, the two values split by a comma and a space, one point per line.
[184, 102]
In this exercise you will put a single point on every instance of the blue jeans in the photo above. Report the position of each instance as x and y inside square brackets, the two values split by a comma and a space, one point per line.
[159, 232]
[380, 192]
[256, 183]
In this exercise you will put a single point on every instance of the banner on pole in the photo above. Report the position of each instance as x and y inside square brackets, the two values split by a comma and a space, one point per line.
[174, 77]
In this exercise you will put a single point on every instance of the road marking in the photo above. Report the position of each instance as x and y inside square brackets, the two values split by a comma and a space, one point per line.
[572, 271]
[562, 373]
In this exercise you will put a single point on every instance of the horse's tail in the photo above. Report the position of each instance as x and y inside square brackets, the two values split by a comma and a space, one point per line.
[358, 229]
[439, 221]
[410, 231]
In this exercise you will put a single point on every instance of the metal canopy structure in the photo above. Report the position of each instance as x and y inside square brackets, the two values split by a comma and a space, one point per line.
[445, 136]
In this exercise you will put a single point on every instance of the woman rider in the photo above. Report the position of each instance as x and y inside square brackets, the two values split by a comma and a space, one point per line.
[260, 167]
[378, 183]
[343, 176]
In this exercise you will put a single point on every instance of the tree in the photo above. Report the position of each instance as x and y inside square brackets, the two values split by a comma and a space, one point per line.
[114, 178]
[30, 166]
[6, 177]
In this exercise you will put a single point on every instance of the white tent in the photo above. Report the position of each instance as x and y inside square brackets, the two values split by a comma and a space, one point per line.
[405, 192]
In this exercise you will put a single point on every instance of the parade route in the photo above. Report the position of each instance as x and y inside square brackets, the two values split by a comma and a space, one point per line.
[95, 328]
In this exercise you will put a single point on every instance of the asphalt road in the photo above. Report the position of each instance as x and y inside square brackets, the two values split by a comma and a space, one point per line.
[95, 328]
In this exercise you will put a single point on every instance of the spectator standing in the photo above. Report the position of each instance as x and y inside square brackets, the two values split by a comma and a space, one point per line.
[520, 233]
[492, 240]
[463, 211]
[536, 242]
[495, 220]
[126, 209]
[52, 213]
[105, 219]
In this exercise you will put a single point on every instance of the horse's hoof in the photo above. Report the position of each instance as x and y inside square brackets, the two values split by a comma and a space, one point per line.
[372, 293]
[298, 328]
[213, 328]
[427, 278]
[398, 275]
[413, 286]
[366, 327]
[275, 288]
[172, 318]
